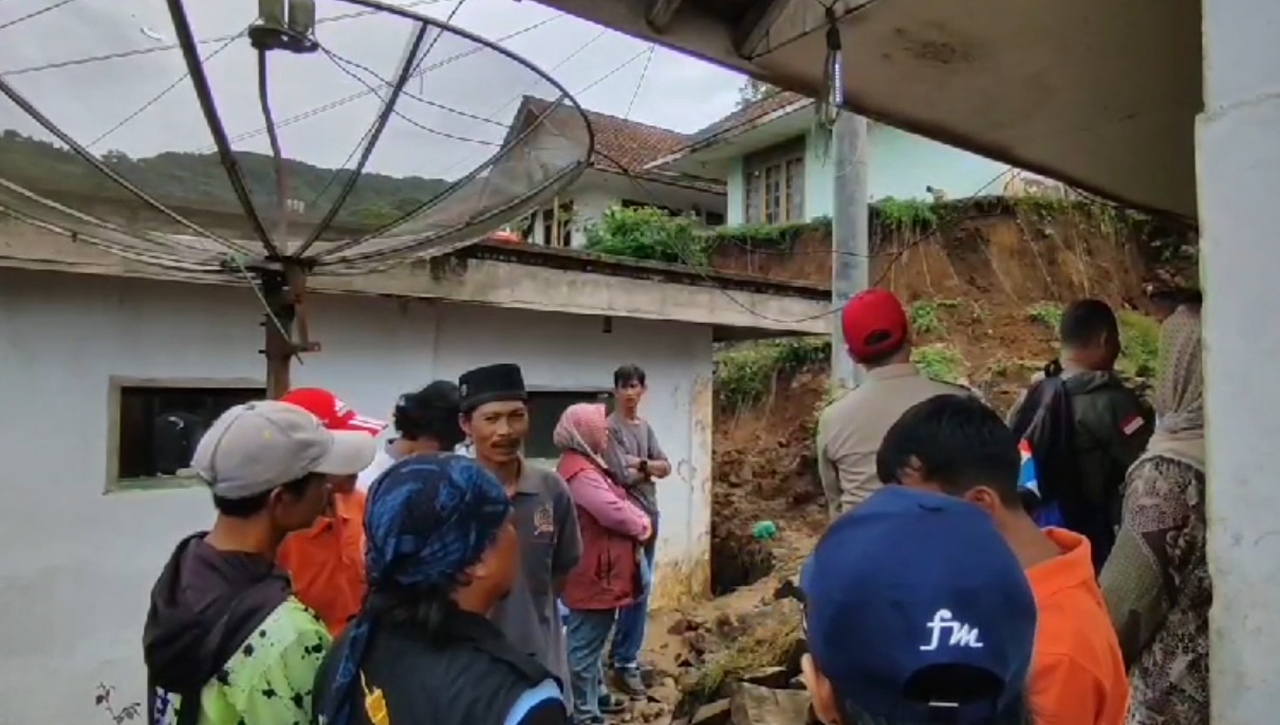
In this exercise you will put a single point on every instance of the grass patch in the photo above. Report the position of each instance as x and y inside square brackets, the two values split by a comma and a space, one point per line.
[1140, 340]
[924, 317]
[940, 362]
[1048, 314]
[746, 374]
[768, 642]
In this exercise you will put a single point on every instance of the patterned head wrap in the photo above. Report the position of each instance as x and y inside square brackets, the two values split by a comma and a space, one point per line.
[427, 520]
[1179, 388]
[583, 427]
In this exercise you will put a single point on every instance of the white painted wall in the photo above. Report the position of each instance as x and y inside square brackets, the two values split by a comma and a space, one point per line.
[596, 191]
[78, 564]
[590, 202]
[1238, 156]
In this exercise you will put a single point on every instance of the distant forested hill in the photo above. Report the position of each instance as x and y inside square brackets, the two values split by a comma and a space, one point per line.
[198, 180]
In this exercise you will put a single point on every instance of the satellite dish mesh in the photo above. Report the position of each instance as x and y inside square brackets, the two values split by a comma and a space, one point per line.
[339, 136]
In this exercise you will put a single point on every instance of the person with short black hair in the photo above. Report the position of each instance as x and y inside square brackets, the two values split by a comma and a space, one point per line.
[637, 461]
[959, 447]
[425, 421]
[1111, 423]
[443, 551]
[325, 561]
[225, 640]
[878, 336]
[495, 415]
[916, 612]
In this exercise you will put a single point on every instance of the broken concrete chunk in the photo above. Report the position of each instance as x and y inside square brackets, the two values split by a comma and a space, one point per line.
[716, 713]
[755, 705]
[774, 678]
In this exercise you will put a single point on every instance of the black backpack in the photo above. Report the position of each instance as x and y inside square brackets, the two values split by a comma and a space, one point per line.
[1046, 422]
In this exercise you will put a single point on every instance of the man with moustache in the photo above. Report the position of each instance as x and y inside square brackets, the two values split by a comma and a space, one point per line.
[495, 417]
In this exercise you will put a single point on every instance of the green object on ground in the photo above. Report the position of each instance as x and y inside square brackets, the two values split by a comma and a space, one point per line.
[764, 531]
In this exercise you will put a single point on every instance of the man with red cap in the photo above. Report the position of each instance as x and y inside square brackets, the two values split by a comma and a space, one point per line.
[851, 429]
[326, 561]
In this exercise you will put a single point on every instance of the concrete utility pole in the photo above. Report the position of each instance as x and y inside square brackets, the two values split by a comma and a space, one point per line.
[850, 236]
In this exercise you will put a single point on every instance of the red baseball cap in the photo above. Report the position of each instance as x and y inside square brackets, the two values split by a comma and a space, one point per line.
[332, 412]
[874, 324]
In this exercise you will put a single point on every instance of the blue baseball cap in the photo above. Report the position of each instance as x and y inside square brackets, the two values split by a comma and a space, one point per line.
[912, 593]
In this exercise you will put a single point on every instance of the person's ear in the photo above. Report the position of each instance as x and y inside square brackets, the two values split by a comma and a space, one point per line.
[464, 422]
[481, 569]
[912, 473]
[819, 687]
[985, 499]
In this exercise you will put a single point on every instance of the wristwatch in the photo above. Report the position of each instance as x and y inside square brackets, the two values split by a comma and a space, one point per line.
[644, 467]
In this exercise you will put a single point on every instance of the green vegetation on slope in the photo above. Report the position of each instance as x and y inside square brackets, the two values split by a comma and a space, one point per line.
[745, 374]
[198, 180]
[1139, 337]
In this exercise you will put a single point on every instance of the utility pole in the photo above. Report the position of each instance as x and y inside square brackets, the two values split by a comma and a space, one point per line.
[850, 236]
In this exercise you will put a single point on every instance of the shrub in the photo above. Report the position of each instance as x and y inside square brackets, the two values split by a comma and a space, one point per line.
[648, 234]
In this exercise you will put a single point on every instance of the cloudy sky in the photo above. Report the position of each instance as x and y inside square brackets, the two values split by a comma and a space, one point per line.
[323, 110]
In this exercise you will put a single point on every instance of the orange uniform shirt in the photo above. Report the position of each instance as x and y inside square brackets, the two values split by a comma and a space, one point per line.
[326, 562]
[1077, 672]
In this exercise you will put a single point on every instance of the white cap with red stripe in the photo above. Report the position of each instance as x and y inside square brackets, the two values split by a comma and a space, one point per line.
[332, 412]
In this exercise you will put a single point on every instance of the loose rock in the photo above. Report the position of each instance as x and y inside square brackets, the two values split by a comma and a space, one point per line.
[716, 713]
[755, 705]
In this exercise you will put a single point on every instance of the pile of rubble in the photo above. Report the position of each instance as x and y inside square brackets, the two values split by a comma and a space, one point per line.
[736, 662]
[752, 704]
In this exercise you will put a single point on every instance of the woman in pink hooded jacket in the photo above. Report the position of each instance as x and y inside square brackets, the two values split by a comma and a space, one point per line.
[609, 575]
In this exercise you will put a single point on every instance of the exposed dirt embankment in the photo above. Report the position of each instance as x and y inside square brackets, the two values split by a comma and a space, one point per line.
[984, 292]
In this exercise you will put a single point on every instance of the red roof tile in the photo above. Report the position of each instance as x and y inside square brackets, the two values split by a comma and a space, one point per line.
[623, 145]
[746, 115]
[628, 146]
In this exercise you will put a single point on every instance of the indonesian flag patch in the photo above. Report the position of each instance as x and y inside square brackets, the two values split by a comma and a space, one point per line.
[1132, 425]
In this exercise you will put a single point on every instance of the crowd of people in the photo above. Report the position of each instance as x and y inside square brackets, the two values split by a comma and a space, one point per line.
[1098, 496]
[440, 577]
[423, 579]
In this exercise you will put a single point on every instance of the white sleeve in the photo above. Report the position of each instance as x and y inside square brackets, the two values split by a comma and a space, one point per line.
[365, 478]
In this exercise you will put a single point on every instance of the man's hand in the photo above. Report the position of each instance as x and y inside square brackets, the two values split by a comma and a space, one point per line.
[659, 469]
[648, 529]
[633, 463]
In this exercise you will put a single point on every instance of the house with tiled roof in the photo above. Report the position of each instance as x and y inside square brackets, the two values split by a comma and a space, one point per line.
[776, 162]
[619, 173]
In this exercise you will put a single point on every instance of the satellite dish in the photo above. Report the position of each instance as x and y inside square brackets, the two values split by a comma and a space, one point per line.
[273, 140]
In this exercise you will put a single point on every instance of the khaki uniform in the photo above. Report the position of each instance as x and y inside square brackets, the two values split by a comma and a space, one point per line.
[851, 429]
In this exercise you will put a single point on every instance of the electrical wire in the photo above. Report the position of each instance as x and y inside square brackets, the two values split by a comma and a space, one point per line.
[118, 55]
[35, 13]
[160, 96]
[325, 108]
[341, 63]
[448, 19]
[608, 74]
[640, 84]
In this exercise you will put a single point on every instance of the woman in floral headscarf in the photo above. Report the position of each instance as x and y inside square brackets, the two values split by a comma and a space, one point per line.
[1156, 581]
[609, 575]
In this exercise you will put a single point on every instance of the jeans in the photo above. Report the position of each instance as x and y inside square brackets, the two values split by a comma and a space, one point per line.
[588, 631]
[628, 636]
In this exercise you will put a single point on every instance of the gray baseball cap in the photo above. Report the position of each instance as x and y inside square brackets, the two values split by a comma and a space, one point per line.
[255, 447]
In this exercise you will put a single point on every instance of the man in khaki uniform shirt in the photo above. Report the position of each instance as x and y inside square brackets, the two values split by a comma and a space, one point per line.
[851, 429]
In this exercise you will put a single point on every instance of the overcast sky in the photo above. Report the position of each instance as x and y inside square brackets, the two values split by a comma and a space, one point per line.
[87, 100]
